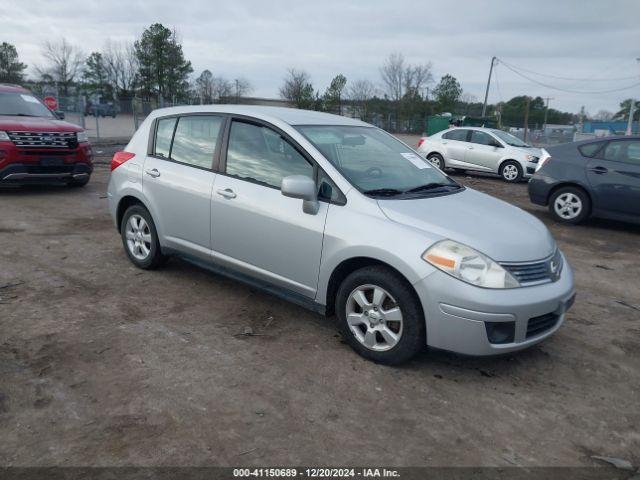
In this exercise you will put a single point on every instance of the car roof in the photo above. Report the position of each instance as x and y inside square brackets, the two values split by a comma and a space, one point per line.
[291, 116]
[10, 87]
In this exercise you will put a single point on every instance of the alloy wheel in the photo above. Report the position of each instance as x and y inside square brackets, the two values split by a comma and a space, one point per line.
[567, 206]
[138, 236]
[374, 317]
[510, 172]
[435, 161]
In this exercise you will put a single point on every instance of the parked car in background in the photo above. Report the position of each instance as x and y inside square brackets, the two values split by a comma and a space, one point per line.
[36, 146]
[594, 177]
[337, 215]
[481, 150]
[107, 109]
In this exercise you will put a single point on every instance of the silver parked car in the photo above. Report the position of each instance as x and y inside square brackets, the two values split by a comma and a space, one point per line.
[339, 216]
[482, 150]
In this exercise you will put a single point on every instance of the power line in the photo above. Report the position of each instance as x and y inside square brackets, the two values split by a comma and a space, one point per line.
[632, 77]
[546, 85]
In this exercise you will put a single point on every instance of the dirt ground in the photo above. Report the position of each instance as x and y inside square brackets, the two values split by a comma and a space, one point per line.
[104, 364]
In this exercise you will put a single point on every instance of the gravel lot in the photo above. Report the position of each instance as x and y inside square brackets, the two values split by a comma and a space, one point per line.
[104, 364]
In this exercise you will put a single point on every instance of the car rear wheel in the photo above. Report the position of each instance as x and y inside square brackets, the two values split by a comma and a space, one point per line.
[436, 160]
[570, 205]
[380, 315]
[511, 171]
[79, 183]
[140, 238]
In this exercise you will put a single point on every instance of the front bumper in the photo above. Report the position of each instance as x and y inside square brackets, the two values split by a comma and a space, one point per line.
[456, 312]
[20, 173]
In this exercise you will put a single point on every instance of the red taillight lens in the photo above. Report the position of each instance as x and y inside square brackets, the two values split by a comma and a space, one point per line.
[119, 158]
[420, 142]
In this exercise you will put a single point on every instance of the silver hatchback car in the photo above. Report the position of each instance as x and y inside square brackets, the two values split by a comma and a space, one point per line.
[481, 150]
[339, 216]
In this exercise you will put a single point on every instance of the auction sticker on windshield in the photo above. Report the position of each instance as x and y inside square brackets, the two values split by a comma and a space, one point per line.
[416, 160]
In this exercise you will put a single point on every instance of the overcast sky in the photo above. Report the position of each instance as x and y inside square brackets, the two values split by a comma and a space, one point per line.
[259, 40]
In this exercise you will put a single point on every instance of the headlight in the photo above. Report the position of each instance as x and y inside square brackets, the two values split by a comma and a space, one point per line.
[83, 136]
[532, 158]
[468, 265]
[4, 137]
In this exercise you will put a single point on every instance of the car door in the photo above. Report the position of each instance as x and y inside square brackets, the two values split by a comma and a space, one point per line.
[483, 151]
[615, 177]
[178, 179]
[254, 228]
[455, 142]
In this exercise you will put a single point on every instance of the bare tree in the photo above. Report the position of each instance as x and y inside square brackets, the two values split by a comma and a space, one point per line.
[297, 88]
[122, 67]
[392, 73]
[221, 87]
[64, 63]
[604, 115]
[400, 78]
[361, 91]
[242, 87]
[204, 86]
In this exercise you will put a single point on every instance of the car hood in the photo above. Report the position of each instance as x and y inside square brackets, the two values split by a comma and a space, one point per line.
[530, 151]
[503, 232]
[36, 124]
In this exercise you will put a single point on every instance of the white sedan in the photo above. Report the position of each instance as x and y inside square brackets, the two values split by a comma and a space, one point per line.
[482, 150]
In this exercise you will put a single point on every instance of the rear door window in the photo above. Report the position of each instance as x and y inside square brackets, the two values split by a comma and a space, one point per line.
[590, 149]
[457, 134]
[627, 151]
[195, 140]
[164, 135]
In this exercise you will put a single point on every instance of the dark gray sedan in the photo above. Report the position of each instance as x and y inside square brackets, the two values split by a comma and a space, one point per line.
[594, 177]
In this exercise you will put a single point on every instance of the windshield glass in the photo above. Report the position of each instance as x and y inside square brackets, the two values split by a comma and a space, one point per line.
[509, 139]
[12, 103]
[375, 162]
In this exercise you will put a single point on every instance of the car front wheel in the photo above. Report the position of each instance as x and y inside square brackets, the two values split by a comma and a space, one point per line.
[140, 238]
[511, 171]
[569, 205]
[380, 315]
[436, 160]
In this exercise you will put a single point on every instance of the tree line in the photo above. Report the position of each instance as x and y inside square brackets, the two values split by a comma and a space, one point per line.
[154, 68]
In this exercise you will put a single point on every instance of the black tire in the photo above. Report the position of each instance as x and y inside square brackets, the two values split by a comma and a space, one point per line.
[437, 160]
[78, 183]
[460, 171]
[155, 258]
[413, 336]
[506, 169]
[572, 217]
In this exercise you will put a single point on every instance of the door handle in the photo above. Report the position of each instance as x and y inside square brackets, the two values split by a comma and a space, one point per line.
[444, 143]
[599, 170]
[470, 147]
[226, 193]
[153, 173]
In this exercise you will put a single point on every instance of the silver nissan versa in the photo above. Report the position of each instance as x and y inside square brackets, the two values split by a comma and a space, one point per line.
[339, 216]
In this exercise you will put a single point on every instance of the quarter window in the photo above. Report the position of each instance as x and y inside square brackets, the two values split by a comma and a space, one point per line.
[164, 134]
[195, 140]
[590, 149]
[261, 155]
[457, 134]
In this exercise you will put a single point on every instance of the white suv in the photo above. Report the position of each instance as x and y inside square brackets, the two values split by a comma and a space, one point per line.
[482, 150]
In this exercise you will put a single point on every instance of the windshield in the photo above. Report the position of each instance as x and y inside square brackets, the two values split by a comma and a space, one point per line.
[12, 103]
[375, 162]
[509, 139]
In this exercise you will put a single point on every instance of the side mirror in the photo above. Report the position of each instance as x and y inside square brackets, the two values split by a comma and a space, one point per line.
[304, 188]
[59, 114]
[496, 145]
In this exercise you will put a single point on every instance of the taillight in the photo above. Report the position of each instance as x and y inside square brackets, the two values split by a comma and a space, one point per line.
[421, 141]
[119, 158]
[542, 162]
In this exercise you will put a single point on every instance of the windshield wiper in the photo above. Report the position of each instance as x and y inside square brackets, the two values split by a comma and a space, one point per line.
[431, 186]
[384, 192]
[18, 115]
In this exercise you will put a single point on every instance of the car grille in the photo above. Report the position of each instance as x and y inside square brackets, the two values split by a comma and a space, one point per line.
[538, 325]
[536, 273]
[44, 139]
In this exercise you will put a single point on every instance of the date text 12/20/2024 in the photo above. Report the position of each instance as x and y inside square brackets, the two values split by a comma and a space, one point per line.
[315, 473]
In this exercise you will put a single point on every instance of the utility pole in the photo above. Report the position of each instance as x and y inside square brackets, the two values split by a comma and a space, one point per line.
[546, 112]
[631, 112]
[526, 118]
[237, 90]
[486, 93]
